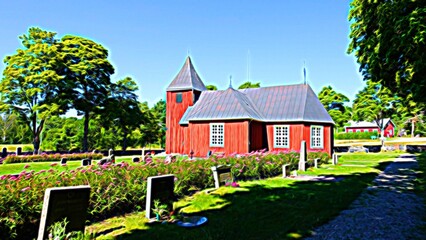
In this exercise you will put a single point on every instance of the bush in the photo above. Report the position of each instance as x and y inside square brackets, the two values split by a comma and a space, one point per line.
[121, 188]
[355, 135]
[50, 157]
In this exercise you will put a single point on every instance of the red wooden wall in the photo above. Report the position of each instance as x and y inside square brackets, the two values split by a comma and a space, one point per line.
[299, 132]
[236, 138]
[177, 136]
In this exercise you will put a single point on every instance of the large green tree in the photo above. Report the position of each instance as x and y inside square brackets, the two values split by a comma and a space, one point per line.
[31, 86]
[87, 66]
[388, 39]
[374, 103]
[334, 103]
[123, 108]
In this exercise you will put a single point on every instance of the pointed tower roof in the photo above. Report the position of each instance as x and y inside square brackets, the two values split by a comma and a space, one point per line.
[187, 79]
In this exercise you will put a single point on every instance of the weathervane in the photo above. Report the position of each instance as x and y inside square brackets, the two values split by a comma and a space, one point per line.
[304, 72]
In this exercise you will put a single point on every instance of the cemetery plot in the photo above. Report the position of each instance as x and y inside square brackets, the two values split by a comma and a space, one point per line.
[222, 175]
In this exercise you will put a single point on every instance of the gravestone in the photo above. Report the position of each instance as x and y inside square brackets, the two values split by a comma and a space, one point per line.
[110, 152]
[39, 152]
[63, 161]
[316, 160]
[86, 162]
[18, 151]
[136, 159]
[221, 174]
[64, 202]
[286, 170]
[4, 152]
[302, 158]
[159, 188]
[335, 159]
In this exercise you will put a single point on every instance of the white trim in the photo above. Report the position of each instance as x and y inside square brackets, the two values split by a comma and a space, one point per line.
[217, 135]
[281, 136]
[317, 139]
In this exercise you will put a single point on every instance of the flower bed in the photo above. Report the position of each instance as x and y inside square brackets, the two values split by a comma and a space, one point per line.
[121, 188]
[50, 157]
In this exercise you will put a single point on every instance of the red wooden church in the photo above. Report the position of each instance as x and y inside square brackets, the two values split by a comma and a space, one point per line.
[241, 121]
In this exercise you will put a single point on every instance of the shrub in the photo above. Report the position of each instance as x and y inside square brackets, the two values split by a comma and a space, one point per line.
[50, 157]
[355, 135]
[121, 188]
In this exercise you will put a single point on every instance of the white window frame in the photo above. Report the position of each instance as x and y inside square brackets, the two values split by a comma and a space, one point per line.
[350, 130]
[281, 140]
[317, 140]
[217, 134]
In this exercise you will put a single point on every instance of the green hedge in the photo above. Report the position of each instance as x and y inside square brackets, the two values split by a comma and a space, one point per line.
[50, 157]
[355, 135]
[121, 188]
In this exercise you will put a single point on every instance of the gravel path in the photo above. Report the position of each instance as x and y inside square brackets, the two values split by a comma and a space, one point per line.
[386, 210]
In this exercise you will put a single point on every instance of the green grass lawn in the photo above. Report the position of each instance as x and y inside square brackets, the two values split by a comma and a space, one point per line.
[273, 208]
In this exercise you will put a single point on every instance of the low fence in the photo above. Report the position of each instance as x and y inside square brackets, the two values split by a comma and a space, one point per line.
[377, 148]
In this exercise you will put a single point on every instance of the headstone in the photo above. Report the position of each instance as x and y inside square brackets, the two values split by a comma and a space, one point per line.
[18, 151]
[64, 202]
[63, 161]
[86, 162]
[110, 152]
[221, 174]
[335, 158]
[143, 154]
[39, 151]
[316, 160]
[136, 159]
[302, 158]
[4, 152]
[159, 188]
[286, 170]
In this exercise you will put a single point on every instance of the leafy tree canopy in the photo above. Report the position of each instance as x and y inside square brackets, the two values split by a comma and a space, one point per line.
[334, 104]
[211, 87]
[31, 86]
[374, 103]
[249, 85]
[388, 39]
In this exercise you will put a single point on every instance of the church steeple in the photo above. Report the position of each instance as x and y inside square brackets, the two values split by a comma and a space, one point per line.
[187, 79]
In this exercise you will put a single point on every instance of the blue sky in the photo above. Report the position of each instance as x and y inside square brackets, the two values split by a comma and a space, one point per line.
[149, 40]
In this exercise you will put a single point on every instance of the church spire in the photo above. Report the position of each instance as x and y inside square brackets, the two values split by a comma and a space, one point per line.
[187, 79]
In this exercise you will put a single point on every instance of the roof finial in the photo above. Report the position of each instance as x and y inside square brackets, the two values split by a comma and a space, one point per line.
[188, 52]
[230, 81]
[304, 72]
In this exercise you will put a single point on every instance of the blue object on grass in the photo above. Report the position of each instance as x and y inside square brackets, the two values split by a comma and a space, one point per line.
[193, 221]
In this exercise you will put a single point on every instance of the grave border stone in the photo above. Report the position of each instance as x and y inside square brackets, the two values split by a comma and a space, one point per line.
[302, 157]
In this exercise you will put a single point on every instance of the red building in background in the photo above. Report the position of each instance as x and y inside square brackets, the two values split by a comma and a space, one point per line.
[388, 126]
[241, 121]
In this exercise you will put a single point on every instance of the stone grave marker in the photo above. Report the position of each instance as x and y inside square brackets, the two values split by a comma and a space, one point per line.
[316, 160]
[159, 188]
[335, 159]
[302, 158]
[63, 161]
[18, 151]
[86, 162]
[64, 202]
[4, 152]
[286, 170]
[136, 159]
[110, 152]
[221, 175]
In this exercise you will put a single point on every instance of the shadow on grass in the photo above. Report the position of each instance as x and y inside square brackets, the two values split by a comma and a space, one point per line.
[269, 209]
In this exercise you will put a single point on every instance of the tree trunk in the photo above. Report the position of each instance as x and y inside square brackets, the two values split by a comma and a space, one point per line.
[36, 144]
[124, 144]
[86, 132]
[413, 123]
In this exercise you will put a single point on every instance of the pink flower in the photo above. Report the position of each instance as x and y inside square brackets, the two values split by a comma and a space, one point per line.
[235, 184]
[3, 177]
[26, 166]
[25, 189]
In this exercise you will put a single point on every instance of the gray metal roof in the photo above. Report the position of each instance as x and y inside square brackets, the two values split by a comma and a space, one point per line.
[224, 104]
[187, 79]
[269, 104]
